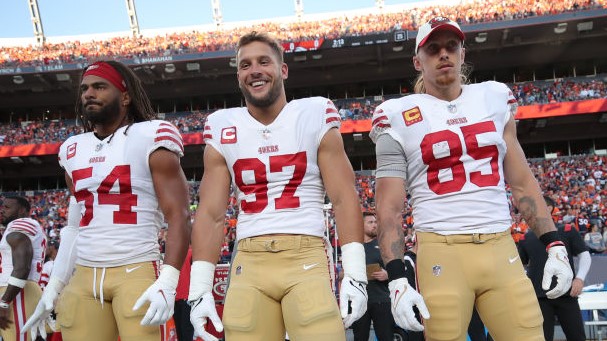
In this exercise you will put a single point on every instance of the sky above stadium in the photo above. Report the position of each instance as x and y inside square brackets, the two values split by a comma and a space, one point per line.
[77, 17]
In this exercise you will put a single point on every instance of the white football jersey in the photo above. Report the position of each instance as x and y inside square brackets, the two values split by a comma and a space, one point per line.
[113, 186]
[274, 168]
[32, 229]
[454, 153]
[45, 275]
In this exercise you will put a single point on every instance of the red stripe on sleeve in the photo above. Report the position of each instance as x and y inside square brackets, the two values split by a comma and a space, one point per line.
[332, 119]
[169, 138]
[380, 118]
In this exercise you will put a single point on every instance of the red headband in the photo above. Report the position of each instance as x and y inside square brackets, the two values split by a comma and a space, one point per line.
[107, 72]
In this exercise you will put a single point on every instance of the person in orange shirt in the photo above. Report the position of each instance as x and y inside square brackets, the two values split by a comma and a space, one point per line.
[519, 228]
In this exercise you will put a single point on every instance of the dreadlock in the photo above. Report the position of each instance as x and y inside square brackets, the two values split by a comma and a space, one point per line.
[140, 108]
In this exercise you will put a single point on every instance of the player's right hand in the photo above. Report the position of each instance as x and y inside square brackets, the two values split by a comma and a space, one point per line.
[201, 309]
[557, 265]
[353, 294]
[403, 298]
[45, 306]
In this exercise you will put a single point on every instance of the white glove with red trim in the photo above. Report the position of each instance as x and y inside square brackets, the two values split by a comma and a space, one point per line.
[202, 301]
[353, 291]
[161, 296]
[403, 298]
[557, 265]
[43, 311]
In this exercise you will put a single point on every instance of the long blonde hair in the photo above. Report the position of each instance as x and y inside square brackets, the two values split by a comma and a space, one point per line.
[418, 84]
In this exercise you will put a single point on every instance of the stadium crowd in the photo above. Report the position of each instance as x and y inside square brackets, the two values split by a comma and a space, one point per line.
[527, 93]
[225, 39]
[578, 184]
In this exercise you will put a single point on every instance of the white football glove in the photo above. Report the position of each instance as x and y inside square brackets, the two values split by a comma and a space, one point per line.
[403, 298]
[161, 295]
[204, 308]
[43, 311]
[557, 265]
[354, 293]
[202, 301]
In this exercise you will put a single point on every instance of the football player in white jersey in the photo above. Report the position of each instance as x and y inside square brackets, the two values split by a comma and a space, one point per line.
[126, 180]
[22, 250]
[280, 157]
[455, 146]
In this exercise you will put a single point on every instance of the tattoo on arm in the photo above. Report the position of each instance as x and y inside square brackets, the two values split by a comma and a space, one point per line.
[528, 208]
[392, 243]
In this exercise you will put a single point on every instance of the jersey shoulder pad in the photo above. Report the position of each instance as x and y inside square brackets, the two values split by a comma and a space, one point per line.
[166, 135]
[26, 226]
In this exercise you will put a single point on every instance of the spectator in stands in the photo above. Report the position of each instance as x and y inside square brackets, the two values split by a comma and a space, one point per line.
[177, 43]
[518, 228]
[594, 239]
[47, 268]
[378, 306]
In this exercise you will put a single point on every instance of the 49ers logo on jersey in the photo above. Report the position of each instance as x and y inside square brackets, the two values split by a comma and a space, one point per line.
[71, 150]
[412, 116]
[228, 135]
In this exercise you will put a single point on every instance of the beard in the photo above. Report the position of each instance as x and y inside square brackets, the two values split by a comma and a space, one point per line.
[6, 220]
[447, 79]
[372, 234]
[263, 101]
[104, 114]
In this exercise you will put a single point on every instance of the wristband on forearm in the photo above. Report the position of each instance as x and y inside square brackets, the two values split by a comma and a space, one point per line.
[202, 274]
[396, 269]
[18, 282]
[551, 239]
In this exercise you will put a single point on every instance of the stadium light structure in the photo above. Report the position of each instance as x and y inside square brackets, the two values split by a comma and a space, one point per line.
[299, 8]
[36, 21]
[18, 79]
[132, 13]
[560, 28]
[216, 9]
[481, 37]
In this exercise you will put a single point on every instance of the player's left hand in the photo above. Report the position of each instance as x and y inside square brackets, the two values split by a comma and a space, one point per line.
[381, 275]
[5, 322]
[353, 294]
[557, 265]
[161, 296]
[576, 287]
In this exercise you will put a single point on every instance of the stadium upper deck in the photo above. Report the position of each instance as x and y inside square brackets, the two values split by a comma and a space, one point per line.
[340, 57]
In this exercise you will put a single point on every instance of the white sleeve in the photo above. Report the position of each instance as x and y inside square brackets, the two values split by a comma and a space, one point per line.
[66, 255]
[584, 265]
